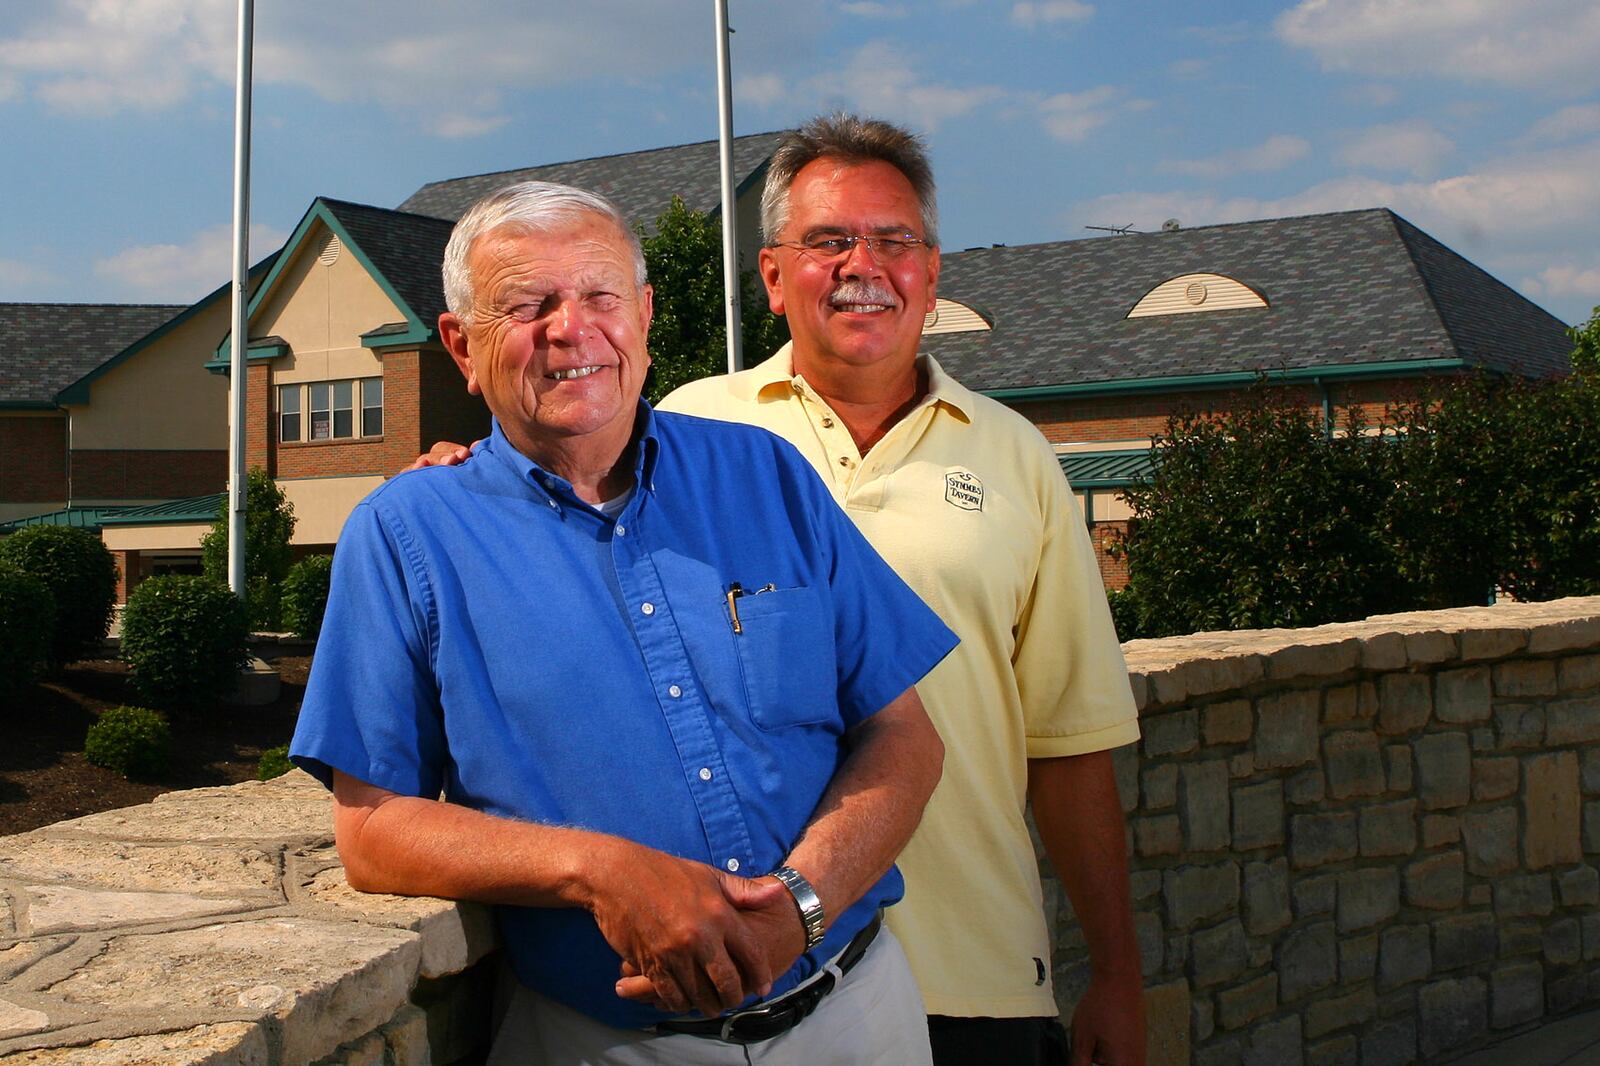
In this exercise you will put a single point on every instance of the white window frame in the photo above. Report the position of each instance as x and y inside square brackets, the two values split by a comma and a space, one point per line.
[354, 412]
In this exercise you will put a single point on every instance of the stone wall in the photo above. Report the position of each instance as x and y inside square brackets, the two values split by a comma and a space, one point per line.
[1364, 843]
[1367, 843]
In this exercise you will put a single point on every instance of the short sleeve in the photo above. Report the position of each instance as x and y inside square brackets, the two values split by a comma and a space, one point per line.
[371, 708]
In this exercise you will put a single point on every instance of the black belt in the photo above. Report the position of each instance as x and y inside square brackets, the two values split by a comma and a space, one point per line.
[776, 1017]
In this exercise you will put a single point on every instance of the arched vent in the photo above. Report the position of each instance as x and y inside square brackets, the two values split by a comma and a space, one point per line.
[1189, 293]
[330, 251]
[948, 316]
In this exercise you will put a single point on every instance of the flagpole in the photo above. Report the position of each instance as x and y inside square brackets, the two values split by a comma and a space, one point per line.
[241, 275]
[730, 236]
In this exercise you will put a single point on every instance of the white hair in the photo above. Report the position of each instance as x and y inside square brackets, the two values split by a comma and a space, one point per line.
[535, 206]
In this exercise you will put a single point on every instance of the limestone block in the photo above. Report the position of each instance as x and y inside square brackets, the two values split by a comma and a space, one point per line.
[1483, 738]
[1306, 788]
[1220, 1053]
[406, 1036]
[1566, 993]
[1451, 1013]
[1440, 829]
[1591, 827]
[1491, 643]
[1145, 884]
[1519, 725]
[1389, 829]
[1228, 723]
[1580, 887]
[1157, 834]
[57, 908]
[1140, 685]
[1563, 942]
[1197, 892]
[1404, 956]
[367, 1051]
[254, 812]
[1202, 1019]
[1241, 765]
[1358, 958]
[16, 1019]
[1166, 1011]
[1591, 936]
[201, 870]
[1397, 765]
[1572, 635]
[1286, 731]
[1551, 806]
[1266, 897]
[1151, 935]
[1275, 1044]
[1520, 936]
[24, 953]
[1210, 674]
[1405, 702]
[1343, 703]
[1171, 733]
[1578, 673]
[1491, 840]
[1318, 839]
[1203, 804]
[1516, 994]
[1308, 960]
[224, 1044]
[1495, 777]
[1237, 1007]
[1462, 695]
[1444, 770]
[1217, 955]
[1167, 686]
[319, 981]
[1353, 764]
[454, 935]
[1367, 897]
[1390, 1043]
[1591, 772]
[1159, 787]
[1320, 659]
[1383, 651]
[1125, 768]
[1340, 1051]
[1523, 894]
[1426, 647]
[1258, 816]
[1332, 1013]
[1525, 677]
[1464, 940]
[1436, 882]
[1574, 721]
[1314, 895]
[1479, 895]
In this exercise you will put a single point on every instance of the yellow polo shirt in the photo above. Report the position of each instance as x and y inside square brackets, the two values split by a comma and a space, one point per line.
[965, 499]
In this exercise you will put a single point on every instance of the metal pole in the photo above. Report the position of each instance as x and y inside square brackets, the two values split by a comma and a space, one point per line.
[730, 235]
[241, 280]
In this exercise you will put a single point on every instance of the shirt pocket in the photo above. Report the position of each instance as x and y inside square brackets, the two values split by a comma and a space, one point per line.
[786, 657]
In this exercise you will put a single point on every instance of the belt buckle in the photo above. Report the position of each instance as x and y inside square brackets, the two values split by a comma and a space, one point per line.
[767, 1012]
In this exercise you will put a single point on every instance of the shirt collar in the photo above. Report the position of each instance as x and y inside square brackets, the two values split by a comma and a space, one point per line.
[645, 455]
[775, 377]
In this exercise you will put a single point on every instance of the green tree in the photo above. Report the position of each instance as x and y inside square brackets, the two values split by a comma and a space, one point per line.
[269, 525]
[184, 638]
[688, 337]
[81, 576]
[1586, 345]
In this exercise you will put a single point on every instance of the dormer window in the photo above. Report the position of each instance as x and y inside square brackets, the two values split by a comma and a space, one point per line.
[948, 316]
[1189, 294]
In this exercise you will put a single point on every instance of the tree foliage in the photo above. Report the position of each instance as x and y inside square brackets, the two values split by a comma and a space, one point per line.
[81, 576]
[305, 595]
[268, 526]
[1586, 345]
[185, 638]
[136, 742]
[688, 337]
[27, 614]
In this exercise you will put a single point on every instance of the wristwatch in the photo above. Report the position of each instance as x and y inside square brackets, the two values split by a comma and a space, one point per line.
[805, 897]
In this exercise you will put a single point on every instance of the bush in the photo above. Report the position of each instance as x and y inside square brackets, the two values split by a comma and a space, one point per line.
[305, 595]
[274, 763]
[80, 574]
[133, 741]
[268, 526]
[27, 614]
[185, 638]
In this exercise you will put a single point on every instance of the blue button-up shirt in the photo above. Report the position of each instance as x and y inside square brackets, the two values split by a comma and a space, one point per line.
[492, 637]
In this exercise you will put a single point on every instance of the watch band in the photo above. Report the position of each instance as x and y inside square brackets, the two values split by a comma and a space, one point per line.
[805, 897]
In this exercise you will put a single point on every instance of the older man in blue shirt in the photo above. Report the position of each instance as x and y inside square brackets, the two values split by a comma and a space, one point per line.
[647, 661]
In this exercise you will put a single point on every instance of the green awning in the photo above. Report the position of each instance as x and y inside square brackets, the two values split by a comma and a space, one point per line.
[1106, 470]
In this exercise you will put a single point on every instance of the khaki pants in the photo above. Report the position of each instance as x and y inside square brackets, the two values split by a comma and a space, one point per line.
[872, 1018]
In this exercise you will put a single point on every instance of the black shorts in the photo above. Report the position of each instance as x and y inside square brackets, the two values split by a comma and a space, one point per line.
[997, 1041]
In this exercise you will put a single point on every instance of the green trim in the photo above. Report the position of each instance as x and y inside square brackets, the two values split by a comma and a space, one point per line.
[30, 405]
[412, 337]
[258, 351]
[1225, 380]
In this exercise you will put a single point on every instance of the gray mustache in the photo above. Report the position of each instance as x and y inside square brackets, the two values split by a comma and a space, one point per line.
[861, 292]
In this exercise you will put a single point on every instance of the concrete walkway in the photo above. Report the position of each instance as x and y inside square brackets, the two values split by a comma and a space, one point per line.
[1573, 1041]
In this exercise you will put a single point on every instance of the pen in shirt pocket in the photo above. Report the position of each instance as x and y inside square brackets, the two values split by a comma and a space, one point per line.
[735, 590]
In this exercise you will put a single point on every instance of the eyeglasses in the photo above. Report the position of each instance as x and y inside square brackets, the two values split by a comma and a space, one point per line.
[837, 246]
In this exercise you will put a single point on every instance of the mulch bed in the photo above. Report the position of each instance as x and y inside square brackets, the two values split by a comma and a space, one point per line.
[45, 778]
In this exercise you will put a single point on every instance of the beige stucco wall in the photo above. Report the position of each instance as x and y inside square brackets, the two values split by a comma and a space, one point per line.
[161, 397]
[169, 536]
[322, 504]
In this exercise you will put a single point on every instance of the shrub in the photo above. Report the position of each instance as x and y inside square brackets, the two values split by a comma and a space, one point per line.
[80, 574]
[133, 741]
[305, 595]
[27, 612]
[274, 763]
[268, 526]
[185, 638]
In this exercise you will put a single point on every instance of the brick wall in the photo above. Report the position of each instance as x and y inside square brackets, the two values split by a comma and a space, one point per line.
[152, 474]
[33, 459]
[1113, 571]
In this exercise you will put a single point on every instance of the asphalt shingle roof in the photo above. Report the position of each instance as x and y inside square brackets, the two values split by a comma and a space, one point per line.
[407, 249]
[1346, 288]
[641, 184]
[46, 347]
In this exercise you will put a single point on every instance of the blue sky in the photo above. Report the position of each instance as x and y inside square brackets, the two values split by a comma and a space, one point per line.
[1479, 120]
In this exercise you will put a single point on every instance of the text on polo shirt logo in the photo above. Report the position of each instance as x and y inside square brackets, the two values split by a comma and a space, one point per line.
[962, 488]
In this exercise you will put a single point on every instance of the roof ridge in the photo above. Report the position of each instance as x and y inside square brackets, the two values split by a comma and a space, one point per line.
[332, 201]
[592, 158]
[90, 303]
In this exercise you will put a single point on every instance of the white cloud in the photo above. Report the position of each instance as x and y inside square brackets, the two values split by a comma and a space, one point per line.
[761, 90]
[17, 276]
[1071, 117]
[459, 126]
[1050, 12]
[1565, 280]
[867, 9]
[1412, 147]
[181, 272]
[879, 80]
[1567, 124]
[1548, 44]
[1274, 153]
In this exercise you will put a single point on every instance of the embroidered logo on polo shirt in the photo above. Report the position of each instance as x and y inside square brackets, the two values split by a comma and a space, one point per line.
[963, 489]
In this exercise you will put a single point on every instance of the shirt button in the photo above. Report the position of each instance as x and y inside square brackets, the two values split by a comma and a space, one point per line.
[554, 506]
[622, 530]
[733, 866]
[844, 460]
[674, 691]
[705, 773]
[647, 607]
[827, 423]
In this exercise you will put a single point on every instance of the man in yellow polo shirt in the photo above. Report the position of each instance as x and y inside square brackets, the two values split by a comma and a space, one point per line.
[965, 499]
